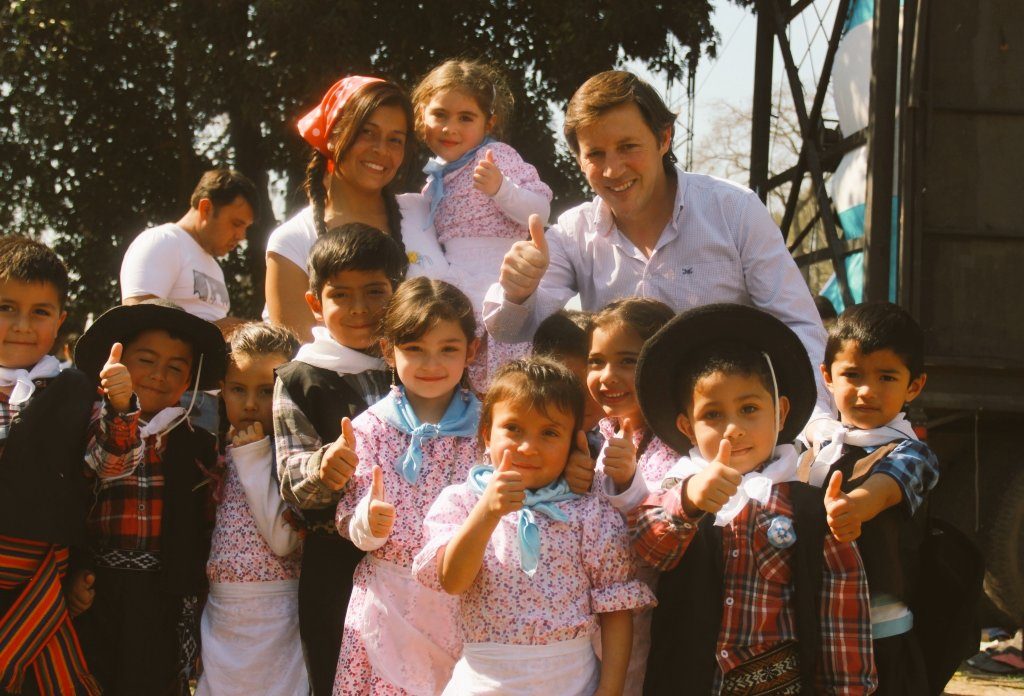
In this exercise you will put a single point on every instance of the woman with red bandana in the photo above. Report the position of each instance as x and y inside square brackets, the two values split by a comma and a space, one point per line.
[362, 140]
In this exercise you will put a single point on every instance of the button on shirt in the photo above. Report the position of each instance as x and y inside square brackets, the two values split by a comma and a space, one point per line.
[721, 245]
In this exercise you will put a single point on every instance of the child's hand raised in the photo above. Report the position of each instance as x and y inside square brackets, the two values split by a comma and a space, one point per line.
[711, 489]
[620, 457]
[115, 380]
[254, 433]
[339, 460]
[579, 470]
[381, 512]
[841, 511]
[506, 491]
[487, 177]
[80, 592]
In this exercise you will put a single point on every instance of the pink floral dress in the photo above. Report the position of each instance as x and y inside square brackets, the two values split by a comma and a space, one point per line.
[651, 466]
[586, 568]
[400, 637]
[477, 230]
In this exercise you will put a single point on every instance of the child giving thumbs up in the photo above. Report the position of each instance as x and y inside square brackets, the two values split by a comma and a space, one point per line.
[381, 513]
[710, 490]
[115, 381]
[339, 459]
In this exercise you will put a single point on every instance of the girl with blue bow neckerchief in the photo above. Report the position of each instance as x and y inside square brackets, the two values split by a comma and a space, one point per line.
[537, 567]
[480, 191]
[401, 637]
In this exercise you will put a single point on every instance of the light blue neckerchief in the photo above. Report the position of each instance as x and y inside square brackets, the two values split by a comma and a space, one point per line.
[460, 420]
[436, 170]
[541, 500]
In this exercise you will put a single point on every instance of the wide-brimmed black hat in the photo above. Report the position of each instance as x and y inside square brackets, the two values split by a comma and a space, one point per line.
[665, 354]
[121, 324]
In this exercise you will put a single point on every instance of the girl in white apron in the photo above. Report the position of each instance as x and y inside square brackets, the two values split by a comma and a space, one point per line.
[250, 626]
[537, 567]
[401, 637]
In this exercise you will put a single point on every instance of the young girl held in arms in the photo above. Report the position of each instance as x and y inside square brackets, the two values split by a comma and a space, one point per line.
[481, 192]
[250, 627]
[400, 637]
[537, 567]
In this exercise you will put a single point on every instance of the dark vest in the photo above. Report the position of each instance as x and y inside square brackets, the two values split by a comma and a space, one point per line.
[325, 398]
[688, 619]
[43, 490]
[186, 525]
[890, 543]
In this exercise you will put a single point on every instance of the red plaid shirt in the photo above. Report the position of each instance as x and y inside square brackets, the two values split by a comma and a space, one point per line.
[129, 482]
[759, 613]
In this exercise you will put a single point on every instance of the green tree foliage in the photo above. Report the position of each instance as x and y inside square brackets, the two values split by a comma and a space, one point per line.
[111, 110]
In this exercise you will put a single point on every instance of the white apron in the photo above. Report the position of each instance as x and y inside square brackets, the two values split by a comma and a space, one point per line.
[567, 668]
[405, 627]
[474, 264]
[250, 638]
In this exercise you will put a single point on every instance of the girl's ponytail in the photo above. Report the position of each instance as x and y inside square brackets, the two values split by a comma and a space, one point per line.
[316, 192]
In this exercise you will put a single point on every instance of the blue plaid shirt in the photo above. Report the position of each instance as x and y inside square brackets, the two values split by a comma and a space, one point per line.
[913, 466]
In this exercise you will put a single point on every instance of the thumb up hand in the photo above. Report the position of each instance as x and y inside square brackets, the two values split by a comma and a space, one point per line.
[381, 512]
[339, 459]
[620, 457]
[115, 380]
[711, 489]
[841, 511]
[487, 177]
[525, 264]
[579, 470]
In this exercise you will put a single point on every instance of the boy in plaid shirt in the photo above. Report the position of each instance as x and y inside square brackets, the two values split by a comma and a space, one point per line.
[149, 524]
[756, 597]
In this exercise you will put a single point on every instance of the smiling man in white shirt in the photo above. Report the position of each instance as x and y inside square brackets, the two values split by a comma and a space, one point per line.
[653, 230]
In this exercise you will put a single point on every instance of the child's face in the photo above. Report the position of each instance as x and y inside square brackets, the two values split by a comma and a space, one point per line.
[611, 371]
[248, 390]
[454, 124]
[160, 367]
[592, 412]
[350, 306]
[30, 316]
[737, 408]
[870, 389]
[431, 366]
[538, 443]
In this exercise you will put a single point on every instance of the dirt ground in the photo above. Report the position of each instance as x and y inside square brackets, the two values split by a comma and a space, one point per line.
[971, 682]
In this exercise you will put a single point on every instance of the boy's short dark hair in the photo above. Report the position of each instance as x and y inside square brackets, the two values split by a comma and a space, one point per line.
[564, 333]
[29, 261]
[729, 358]
[540, 383]
[355, 247]
[222, 187]
[877, 326]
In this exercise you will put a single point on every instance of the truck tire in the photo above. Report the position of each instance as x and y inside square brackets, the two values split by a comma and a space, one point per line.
[1004, 552]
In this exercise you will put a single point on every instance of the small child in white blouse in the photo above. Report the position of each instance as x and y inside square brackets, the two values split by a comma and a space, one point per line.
[250, 626]
[481, 192]
[537, 567]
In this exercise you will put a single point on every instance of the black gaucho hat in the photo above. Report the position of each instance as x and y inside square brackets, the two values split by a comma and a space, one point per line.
[660, 366]
[121, 324]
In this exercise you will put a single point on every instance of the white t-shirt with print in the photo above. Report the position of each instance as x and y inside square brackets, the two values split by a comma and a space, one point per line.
[167, 262]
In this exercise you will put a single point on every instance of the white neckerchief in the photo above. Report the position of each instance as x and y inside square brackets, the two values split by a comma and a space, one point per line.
[164, 421]
[326, 353]
[756, 485]
[837, 435]
[23, 380]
